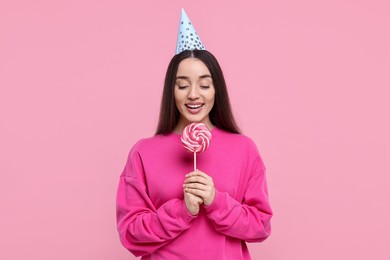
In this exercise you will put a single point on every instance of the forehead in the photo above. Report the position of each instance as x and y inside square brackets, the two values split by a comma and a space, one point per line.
[192, 68]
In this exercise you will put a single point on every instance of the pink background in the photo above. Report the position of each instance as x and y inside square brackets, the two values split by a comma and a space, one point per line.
[81, 81]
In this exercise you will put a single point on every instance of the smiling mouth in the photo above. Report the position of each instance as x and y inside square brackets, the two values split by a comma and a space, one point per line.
[194, 106]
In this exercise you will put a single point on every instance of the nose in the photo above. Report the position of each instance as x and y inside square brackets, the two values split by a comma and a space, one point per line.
[193, 93]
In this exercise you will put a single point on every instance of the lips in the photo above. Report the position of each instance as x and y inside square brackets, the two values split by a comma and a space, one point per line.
[194, 108]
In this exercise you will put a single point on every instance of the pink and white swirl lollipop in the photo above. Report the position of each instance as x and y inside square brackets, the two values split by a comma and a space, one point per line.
[196, 138]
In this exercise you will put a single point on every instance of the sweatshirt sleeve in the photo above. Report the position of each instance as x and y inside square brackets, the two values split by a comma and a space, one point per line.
[142, 227]
[248, 220]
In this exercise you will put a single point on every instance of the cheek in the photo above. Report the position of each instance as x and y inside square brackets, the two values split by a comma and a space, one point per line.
[211, 96]
[212, 102]
[178, 97]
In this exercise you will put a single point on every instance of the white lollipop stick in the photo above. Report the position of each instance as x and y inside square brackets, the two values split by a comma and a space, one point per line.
[194, 161]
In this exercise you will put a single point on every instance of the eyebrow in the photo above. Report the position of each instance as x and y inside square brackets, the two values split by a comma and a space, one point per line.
[201, 77]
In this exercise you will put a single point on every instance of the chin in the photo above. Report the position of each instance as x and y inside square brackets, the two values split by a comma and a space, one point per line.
[193, 119]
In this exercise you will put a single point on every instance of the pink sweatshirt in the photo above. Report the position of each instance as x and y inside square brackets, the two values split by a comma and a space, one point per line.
[153, 220]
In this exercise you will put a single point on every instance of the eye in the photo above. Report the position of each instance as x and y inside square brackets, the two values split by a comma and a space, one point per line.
[205, 87]
[181, 87]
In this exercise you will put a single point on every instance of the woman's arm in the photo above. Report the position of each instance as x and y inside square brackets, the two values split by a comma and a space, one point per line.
[248, 220]
[142, 227]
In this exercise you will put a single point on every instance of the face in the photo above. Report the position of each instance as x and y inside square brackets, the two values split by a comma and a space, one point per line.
[194, 93]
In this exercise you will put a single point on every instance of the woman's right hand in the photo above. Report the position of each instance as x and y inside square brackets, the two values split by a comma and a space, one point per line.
[192, 203]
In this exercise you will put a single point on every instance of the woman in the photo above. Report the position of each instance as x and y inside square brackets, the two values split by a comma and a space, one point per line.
[165, 211]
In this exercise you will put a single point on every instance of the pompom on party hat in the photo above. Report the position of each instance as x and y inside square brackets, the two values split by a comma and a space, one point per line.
[187, 38]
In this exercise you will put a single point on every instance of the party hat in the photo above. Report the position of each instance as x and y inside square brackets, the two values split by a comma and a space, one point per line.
[187, 38]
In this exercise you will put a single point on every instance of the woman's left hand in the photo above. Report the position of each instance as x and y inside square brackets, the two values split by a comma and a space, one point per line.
[200, 184]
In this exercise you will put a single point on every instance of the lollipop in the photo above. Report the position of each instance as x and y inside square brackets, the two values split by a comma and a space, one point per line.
[196, 139]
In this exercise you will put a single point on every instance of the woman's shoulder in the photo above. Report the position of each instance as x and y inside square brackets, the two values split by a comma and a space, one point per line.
[152, 142]
[235, 138]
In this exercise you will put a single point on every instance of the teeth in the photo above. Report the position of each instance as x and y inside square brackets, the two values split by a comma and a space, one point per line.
[194, 106]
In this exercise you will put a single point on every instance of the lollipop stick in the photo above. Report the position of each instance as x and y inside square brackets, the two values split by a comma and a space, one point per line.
[194, 161]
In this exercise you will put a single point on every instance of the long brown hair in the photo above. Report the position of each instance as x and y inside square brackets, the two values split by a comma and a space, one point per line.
[220, 115]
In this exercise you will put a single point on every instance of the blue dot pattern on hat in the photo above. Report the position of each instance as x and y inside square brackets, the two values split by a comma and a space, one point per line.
[187, 38]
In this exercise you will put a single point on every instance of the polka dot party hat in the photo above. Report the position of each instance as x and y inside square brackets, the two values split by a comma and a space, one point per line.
[187, 38]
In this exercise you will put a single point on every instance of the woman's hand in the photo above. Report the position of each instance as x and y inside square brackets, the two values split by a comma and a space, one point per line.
[201, 185]
[192, 202]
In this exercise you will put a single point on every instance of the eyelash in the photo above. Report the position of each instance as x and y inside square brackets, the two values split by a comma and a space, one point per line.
[183, 87]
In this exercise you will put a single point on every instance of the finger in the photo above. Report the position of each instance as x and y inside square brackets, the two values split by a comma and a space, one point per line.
[196, 192]
[199, 174]
[196, 179]
[203, 178]
[195, 185]
[193, 197]
[204, 175]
